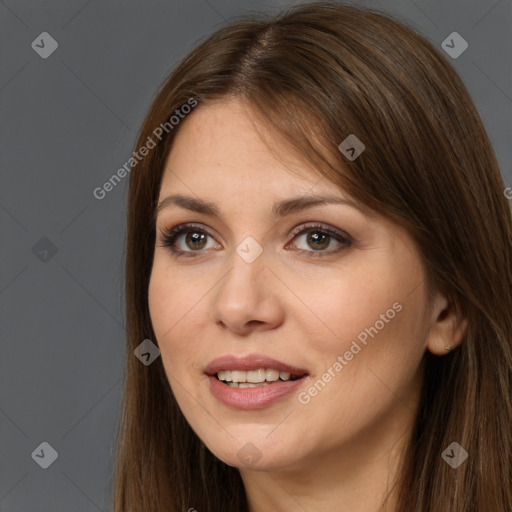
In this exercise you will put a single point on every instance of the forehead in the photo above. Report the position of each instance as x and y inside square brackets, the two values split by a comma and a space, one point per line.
[224, 145]
[223, 163]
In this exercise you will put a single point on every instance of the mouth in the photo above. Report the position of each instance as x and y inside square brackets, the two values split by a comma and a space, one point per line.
[252, 381]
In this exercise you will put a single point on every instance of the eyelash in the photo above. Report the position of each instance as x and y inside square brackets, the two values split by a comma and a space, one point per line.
[167, 238]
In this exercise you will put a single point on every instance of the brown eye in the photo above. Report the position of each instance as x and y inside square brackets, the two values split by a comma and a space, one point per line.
[194, 239]
[319, 237]
[320, 240]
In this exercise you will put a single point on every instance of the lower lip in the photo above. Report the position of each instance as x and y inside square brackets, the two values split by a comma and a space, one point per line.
[252, 398]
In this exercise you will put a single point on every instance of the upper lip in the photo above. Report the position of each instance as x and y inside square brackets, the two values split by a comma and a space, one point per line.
[251, 362]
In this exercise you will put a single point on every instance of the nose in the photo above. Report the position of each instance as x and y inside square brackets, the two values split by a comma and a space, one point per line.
[247, 298]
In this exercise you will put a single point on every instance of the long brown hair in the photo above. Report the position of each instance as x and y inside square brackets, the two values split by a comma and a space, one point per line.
[318, 73]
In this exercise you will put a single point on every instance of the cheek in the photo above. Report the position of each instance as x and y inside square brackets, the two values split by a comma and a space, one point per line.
[370, 367]
[342, 308]
[165, 310]
[175, 308]
[162, 304]
[374, 321]
[169, 299]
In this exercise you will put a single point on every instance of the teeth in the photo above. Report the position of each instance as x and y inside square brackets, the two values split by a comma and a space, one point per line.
[224, 375]
[271, 375]
[238, 376]
[246, 384]
[251, 385]
[252, 377]
[256, 376]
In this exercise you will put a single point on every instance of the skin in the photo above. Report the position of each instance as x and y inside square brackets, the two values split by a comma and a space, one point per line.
[344, 446]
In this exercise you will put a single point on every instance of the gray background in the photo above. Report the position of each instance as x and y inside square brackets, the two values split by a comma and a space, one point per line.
[68, 123]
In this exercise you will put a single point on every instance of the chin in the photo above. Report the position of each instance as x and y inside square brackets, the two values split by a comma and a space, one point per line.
[254, 452]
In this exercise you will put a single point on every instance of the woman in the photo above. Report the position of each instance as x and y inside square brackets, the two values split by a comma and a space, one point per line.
[348, 353]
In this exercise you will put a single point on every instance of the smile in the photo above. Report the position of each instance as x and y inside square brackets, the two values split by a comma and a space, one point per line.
[252, 382]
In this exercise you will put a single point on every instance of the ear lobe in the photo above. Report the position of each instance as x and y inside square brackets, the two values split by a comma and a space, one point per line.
[448, 327]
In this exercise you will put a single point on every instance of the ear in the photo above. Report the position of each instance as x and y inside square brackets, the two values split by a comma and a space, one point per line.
[448, 326]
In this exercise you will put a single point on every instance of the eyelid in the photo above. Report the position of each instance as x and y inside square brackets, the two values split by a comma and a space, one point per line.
[321, 227]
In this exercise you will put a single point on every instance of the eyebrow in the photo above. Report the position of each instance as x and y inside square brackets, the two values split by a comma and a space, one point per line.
[279, 210]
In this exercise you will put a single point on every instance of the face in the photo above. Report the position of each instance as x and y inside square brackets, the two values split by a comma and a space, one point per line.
[327, 299]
